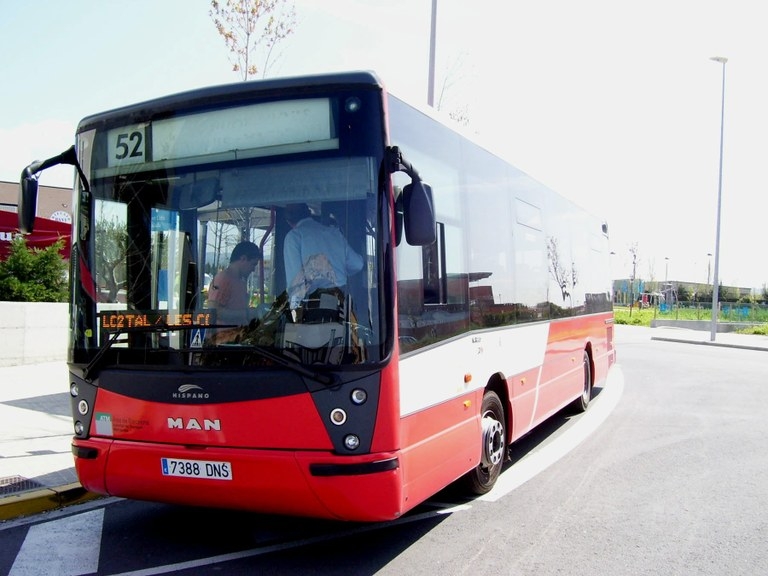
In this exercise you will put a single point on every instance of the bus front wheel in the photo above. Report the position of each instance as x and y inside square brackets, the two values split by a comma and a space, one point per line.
[582, 402]
[481, 479]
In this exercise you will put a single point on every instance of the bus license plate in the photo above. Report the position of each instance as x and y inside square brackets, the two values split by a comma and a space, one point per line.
[196, 468]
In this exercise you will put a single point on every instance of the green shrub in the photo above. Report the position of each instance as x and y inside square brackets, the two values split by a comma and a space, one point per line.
[637, 317]
[32, 274]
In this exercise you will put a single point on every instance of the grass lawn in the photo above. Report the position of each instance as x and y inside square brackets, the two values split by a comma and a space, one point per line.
[643, 317]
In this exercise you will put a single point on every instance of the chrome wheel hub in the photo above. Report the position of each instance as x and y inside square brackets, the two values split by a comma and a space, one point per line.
[493, 441]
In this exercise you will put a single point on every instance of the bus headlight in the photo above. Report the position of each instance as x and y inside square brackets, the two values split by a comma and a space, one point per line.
[338, 416]
[74, 391]
[359, 396]
[79, 428]
[83, 407]
[351, 442]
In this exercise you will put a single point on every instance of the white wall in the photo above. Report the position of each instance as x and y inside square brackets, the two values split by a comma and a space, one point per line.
[32, 332]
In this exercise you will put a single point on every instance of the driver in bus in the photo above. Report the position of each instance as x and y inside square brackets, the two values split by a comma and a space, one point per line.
[228, 292]
[316, 256]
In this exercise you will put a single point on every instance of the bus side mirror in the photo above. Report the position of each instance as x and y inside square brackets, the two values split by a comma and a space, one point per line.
[28, 185]
[419, 214]
[27, 202]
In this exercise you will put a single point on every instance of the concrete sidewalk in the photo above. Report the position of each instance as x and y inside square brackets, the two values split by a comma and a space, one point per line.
[36, 464]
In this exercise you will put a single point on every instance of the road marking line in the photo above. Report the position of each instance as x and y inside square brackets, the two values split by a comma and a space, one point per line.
[66, 547]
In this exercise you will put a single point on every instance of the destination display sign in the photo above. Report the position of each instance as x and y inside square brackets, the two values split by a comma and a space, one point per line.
[245, 131]
[122, 320]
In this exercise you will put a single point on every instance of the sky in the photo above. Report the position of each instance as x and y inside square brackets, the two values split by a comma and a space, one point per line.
[616, 105]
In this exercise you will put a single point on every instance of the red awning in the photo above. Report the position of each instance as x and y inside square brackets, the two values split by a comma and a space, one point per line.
[46, 233]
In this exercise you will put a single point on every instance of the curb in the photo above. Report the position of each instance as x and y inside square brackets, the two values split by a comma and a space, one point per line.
[708, 343]
[44, 500]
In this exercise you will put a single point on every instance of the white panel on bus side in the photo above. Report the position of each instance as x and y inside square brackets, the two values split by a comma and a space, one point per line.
[434, 376]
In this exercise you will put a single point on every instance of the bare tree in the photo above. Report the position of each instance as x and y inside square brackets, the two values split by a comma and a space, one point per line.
[251, 29]
[453, 73]
[460, 115]
[565, 279]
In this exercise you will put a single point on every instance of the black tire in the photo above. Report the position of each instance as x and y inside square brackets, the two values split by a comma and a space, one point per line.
[582, 402]
[481, 479]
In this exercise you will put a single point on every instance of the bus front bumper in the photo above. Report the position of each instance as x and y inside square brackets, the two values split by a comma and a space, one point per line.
[296, 483]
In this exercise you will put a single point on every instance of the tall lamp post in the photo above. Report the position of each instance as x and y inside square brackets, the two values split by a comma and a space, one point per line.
[432, 41]
[713, 332]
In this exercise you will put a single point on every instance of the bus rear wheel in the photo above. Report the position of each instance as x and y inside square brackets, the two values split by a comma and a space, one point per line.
[481, 479]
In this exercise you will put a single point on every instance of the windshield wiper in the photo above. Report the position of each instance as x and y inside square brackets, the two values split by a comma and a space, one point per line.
[284, 361]
[96, 360]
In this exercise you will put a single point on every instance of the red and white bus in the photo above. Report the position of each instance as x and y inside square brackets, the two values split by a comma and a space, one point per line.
[483, 306]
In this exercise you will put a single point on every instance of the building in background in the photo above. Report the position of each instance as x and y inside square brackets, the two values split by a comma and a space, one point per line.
[54, 217]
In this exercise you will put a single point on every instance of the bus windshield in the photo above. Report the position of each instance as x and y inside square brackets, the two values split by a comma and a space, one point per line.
[239, 236]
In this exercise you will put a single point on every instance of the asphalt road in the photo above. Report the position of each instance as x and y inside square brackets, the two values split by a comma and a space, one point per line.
[664, 474]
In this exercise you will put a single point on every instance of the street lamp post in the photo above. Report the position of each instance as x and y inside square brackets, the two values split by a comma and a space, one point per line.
[713, 332]
[633, 251]
[432, 41]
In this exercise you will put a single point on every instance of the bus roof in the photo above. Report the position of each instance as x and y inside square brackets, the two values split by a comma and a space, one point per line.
[234, 91]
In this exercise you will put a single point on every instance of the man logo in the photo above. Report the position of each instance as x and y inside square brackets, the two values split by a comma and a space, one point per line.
[193, 424]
